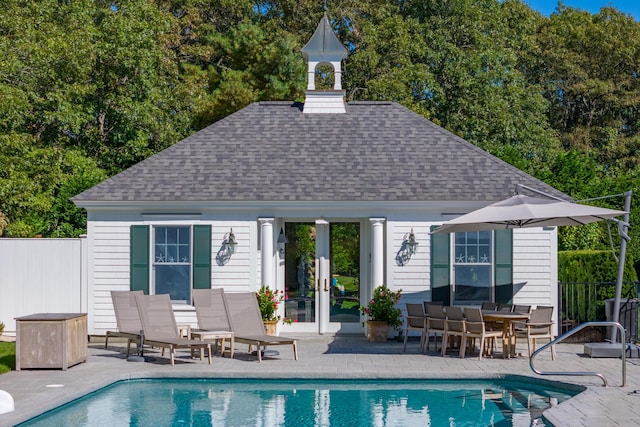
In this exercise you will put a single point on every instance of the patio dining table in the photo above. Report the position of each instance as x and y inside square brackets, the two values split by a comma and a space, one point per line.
[508, 319]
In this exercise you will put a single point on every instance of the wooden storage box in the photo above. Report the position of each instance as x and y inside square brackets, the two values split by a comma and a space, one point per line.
[51, 340]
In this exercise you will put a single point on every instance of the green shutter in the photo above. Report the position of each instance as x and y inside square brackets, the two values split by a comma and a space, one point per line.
[503, 264]
[139, 258]
[440, 267]
[201, 256]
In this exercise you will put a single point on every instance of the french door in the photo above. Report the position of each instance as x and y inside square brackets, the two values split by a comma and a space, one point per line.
[322, 276]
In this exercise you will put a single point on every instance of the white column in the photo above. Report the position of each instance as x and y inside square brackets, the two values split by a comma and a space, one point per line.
[311, 75]
[266, 250]
[377, 252]
[337, 75]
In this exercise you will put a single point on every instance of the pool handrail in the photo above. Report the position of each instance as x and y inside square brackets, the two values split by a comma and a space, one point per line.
[573, 331]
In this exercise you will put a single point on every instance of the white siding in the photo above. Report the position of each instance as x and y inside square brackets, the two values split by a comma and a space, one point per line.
[414, 276]
[109, 266]
[535, 262]
[237, 274]
[109, 263]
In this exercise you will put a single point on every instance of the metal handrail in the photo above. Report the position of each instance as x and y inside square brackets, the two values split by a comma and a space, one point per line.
[573, 331]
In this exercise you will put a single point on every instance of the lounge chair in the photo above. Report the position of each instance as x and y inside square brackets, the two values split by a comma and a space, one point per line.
[416, 320]
[213, 319]
[160, 329]
[127, 318]
[247, 326]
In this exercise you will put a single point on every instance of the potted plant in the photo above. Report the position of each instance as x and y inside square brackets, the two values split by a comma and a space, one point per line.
[382, 313]
[269, 301]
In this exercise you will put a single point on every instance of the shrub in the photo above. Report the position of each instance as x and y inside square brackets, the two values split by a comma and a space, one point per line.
[382, 307]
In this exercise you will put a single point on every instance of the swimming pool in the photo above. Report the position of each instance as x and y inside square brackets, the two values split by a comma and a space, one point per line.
[260, 402]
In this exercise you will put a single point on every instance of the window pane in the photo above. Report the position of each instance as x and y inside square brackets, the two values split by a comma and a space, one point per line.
[172, 254]
[183, 236]
[184, 253]
[161, 235]
[473, 283]
[174, 280]
[161, 253]
[172, 235]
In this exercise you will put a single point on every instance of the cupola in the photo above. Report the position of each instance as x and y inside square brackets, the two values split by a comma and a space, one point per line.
[324, 54]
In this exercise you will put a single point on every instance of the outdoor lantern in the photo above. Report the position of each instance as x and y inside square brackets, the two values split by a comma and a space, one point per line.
[282, 240]
[411, 243]
[230, 242]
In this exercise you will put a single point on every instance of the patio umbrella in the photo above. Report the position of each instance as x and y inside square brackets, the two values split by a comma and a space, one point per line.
[525, 211]
[521, 211]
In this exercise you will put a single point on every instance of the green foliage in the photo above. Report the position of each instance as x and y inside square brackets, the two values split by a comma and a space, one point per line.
[269, 301]
[592, 266]
[7, 356]
[345, 249]
[91, 87]
[382, 307]
[593, 274]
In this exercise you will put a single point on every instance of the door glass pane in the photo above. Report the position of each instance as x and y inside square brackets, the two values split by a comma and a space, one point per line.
[300, 260]
[345, 273]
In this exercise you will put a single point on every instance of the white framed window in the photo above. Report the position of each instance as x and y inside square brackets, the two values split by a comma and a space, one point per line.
[473, 267]
[172, 267]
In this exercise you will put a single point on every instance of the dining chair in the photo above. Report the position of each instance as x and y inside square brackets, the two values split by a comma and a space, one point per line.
[539, 325]
[474, 327]
[436, 324]
[517, 308]
[416, 320]
[489, 306]
[505, 307]
[454, 327]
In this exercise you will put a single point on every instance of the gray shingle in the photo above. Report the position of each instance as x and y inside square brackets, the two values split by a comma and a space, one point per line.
[377, 151]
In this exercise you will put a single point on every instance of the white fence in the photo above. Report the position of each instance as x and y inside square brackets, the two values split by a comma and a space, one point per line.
[41, 276]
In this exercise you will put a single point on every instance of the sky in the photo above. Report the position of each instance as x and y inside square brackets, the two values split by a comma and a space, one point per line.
[547, 7]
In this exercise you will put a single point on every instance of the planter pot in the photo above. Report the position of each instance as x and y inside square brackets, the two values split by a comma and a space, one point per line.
[377, 331]
[271, 327]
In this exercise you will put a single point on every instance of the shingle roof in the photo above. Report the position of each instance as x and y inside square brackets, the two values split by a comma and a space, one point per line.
[271, 151]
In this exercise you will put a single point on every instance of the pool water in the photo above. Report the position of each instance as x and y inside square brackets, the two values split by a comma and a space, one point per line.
[259, 402]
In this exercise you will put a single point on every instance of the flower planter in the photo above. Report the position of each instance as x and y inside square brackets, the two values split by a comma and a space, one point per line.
[271, 327]
[377, 331]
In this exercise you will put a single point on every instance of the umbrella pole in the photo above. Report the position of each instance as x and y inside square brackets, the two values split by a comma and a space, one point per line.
[623, 252]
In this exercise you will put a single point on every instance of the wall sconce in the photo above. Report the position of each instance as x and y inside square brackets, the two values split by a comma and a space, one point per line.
[412, 245]
[230, 242]
[408, 248]
[282, 240]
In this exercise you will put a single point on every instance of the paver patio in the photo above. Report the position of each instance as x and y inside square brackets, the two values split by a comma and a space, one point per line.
[337, 356]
